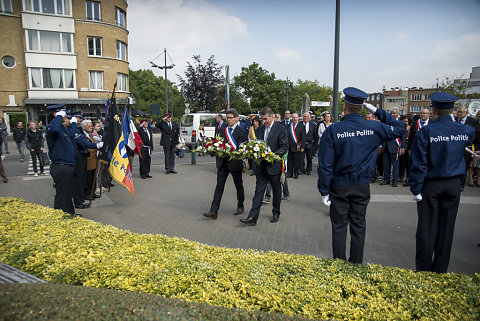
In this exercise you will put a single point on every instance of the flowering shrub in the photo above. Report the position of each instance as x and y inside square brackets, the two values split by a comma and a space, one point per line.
[51, 246]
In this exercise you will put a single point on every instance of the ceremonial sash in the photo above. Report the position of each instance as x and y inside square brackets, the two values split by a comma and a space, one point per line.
[292, 132]
[230, 138]
[419, 124]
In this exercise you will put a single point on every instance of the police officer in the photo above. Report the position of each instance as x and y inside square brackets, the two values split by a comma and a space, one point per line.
[346, 159]
[437, 167]
[61, 150]
[82, 146]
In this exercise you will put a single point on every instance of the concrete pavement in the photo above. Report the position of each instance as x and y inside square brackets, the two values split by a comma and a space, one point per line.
[172, 205]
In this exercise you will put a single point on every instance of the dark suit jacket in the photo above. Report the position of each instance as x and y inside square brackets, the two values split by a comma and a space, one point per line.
[392, 145]
[278, 142]
[169, 136]
[144, 136]
[218, 127]
[240, 136]
[474, 123]
[311, 138]
[300, 131]
[412, 132]
[284, 122]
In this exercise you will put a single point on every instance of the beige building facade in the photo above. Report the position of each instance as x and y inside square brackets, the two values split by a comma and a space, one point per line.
[62, 51]
[419, 98]
[396, 98]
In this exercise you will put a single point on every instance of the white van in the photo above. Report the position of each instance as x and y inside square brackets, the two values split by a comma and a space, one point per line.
[191, 122]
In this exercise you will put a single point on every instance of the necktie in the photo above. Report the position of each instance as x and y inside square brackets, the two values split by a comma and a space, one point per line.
[170, 125]
[267, 131]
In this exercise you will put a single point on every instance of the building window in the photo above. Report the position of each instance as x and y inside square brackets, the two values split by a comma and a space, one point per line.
[6, 6]
[94, 46]
[60, 7]
[93, 11]
[121, 50]
[49, 41]
[96, 80]
[119, 17]
[122, 82]
[416, 97]
[8, 61]
[51, 78]
[416, 109]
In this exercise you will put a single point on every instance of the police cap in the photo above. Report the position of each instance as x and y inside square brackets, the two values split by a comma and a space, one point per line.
[55, 108]
[442, 100]
[354, 96]
[77, 113]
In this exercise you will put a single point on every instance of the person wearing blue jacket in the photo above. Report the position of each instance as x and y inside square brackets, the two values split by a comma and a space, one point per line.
[346, 159]
[61, 150]
[435, 182]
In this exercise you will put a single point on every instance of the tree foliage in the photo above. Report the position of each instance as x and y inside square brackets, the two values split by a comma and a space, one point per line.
[453, 85]
[201, 81]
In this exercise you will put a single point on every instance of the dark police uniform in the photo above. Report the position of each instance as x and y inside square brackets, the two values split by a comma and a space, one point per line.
[437, 166]
[346, 159]
[61, 150]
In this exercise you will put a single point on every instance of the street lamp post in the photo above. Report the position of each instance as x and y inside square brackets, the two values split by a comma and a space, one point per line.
[165, 67]
[171, 97]
[287, 87]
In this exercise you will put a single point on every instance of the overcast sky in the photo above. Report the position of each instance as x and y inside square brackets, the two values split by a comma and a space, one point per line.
[387, 43]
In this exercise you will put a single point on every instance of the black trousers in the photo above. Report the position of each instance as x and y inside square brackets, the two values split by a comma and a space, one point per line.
[437, 213]
[145, 161]
[89, 182]
[286, 192]
[169, 157]
[222, 175]
[308, 153]
[261, 184]
[391, 163]
[463, 178]
[349, 207]
[37, 154]
[405, 165]
[294, 162]
[63, 178]
[80, 178]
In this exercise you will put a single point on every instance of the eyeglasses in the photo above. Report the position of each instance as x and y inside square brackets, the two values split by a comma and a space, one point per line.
[230, 117]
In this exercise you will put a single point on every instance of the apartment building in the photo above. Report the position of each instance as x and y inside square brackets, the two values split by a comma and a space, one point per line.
[62, 51]
[419, 98]
[396, 97]
[375, 99]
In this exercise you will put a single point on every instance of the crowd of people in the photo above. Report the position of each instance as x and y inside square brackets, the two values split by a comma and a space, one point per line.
[426, 153]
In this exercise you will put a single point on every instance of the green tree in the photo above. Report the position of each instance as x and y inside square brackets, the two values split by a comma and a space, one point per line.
[261, 87]
[201, 81]
[453, 85]
[314, 90]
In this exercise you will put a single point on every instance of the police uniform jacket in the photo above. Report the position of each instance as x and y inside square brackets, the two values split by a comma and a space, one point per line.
[239, 135]
[278, 142]
[61, 148]
[437, 151]
[348, 149]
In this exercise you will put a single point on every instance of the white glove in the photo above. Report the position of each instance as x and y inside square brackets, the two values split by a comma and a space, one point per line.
[99, 145]
[61, 113]
[74, 120]
[417, 198]
[370, 108]
[326, 200]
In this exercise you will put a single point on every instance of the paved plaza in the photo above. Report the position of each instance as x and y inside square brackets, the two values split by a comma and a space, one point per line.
[173, 205]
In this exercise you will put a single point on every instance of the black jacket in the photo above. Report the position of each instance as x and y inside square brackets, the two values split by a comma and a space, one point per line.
[34, 140]
[240, 136]
[278, 142]
[169, 136]
[300, 132]
[146, 139]
[311, 138]
[19, 134]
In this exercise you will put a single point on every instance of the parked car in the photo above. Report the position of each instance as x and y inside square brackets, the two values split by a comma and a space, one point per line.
[190, 123]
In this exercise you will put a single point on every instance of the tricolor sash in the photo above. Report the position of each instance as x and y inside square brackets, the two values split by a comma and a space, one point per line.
[230, 138]
[292, 132]
[419, 124]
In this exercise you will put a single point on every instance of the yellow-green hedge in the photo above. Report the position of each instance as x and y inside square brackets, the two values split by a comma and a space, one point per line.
[47, 244]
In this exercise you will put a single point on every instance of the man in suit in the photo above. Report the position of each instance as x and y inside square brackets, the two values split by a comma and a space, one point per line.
[233, 135]
[423, 121]
[146, 135]
[392, 150]
[287, 120]
[275, 135]
[463, 118]
[170, 133]
[296, 145]
[311, 142]
[219, 123]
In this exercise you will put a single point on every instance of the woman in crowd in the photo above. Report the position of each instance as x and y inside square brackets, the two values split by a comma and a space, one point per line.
[327, 121]
[404, 159]
[475, 161]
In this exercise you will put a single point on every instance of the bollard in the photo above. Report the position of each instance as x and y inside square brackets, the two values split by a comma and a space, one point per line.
[194, 155]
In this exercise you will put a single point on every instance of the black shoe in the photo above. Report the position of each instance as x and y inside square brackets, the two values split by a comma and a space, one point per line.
[239, 211]
[8, 152]
[373, 180]
[274, 219]
[309, 173]
[384, 183]
[167, 172]
[394, 184]
[173, 171]
[406, 184]
[143, 177]
[289, 176]
[248, 220]
[5, 179]
[96, 195]
[112, 185]
[286, 198]
[296, 177]
[148, 176]
[81, 206]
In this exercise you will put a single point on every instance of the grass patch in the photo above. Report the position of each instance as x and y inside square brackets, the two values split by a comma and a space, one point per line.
[47, 244]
